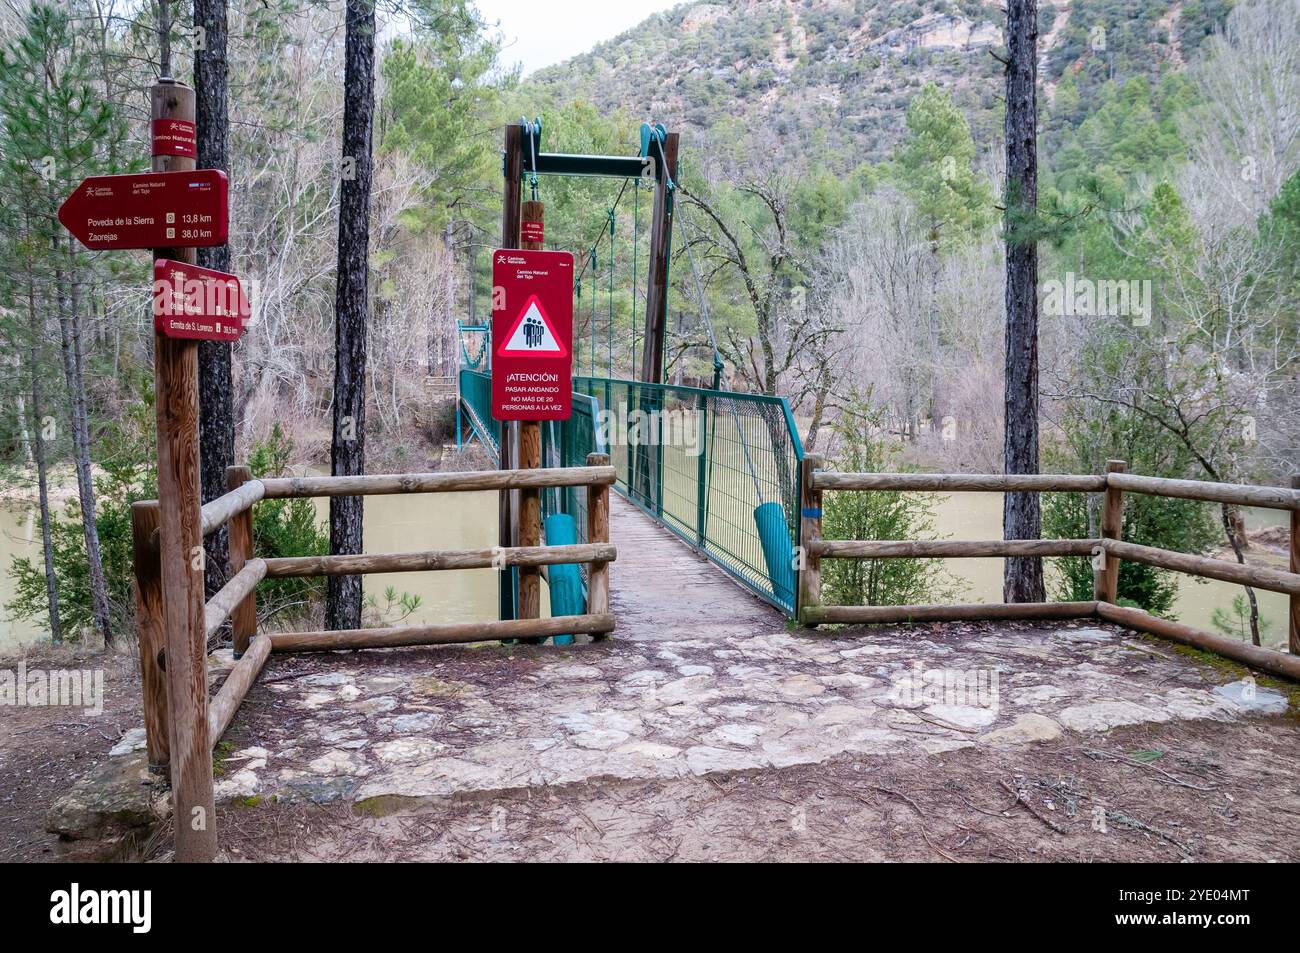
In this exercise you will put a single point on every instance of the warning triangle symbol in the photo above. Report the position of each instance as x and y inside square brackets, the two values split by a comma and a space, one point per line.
[533, 334]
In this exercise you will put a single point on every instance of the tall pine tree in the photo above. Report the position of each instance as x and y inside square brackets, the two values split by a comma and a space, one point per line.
[351, 306]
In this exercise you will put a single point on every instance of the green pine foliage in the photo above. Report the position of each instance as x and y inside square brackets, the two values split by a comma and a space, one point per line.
[934, 165]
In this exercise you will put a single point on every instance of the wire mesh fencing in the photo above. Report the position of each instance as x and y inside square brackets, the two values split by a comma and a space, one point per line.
[719, 469]
[476, 404]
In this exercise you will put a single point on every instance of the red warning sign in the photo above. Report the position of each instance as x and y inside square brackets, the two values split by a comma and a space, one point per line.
[532, 334]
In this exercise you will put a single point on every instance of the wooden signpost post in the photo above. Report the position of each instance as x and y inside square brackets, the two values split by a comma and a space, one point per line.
[176, 382]
[173, 209]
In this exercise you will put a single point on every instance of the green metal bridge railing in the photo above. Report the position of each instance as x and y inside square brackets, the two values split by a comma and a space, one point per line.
[719, 469]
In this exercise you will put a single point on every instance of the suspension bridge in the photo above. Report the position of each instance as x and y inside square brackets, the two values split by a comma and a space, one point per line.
[719, 471]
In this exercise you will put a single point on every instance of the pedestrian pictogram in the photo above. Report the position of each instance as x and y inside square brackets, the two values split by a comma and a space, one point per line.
[533, 333]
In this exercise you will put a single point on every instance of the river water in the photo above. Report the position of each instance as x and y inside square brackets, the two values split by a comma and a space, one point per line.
[405, 523]
[979, 516]
[399, 523]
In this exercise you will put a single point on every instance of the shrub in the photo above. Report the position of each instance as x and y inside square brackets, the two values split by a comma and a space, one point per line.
[285, 527]
[864, 448]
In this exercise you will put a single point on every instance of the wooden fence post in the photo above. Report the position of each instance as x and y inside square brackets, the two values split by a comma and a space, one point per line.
[1294, 636]
[598, 532]
[152, 632]
[810, 531]
[1105, 581]
[240, 535]
[512, 192]
[176, 386]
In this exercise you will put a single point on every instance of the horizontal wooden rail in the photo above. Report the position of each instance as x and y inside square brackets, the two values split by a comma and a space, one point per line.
[379, 485]
[970, 612]
[1274, 497]
[1268, 660]
[230, 505]
[219, 607]
[442, 634]
[959, 482]
[222, 708]
[1260, 577]
[438, 559]
[949, 548]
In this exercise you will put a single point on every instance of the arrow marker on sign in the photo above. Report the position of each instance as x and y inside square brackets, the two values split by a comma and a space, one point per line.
[533, 334]
[149, 210]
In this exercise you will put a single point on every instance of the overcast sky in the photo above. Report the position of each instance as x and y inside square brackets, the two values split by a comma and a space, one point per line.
[539, 33]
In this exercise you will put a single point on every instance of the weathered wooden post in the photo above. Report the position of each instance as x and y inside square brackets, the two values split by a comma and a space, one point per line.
[530, 450]
[810, 531]
[1105, 581]
[598, 532]
[240, 541]
[661, 229]
[645, 477]
[1294, 637]
[512, 190]
[176, 386]
[151, 628]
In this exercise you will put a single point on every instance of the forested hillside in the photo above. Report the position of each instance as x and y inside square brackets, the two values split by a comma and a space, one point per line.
[830, 80]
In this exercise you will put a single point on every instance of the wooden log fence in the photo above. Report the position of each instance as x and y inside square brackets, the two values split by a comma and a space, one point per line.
[204, 720]
[443, 634]
[1108, 552]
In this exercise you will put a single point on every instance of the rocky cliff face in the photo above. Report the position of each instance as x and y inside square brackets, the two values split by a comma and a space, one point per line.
[833, 77]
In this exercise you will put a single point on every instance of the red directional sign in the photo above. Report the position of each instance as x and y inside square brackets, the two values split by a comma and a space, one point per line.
[197, 303]
[532, 334]
[149, 210]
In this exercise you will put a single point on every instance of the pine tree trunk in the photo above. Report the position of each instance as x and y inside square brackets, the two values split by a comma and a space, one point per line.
[347, 453]
[1021, 519]
[70, 345]
[38, 454]
[216, 412]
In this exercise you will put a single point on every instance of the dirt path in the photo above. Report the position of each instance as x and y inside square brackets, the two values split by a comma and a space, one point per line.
[43, 750]
[1215, 792]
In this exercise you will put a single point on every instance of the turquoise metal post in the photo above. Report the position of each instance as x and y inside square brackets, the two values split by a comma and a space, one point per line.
[778, 550]
[701, 474]
[659, 456]
[564, 581]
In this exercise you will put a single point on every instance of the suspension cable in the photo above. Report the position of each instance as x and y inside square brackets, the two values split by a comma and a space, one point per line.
[708, 323]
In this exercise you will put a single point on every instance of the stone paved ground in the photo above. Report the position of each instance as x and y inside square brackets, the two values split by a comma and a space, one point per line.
[405, 725]
[702, 678]
[706, 728]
